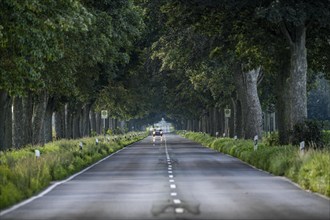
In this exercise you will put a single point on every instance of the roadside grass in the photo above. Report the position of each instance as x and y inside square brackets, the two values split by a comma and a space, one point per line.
[22, 174]
[309, 169]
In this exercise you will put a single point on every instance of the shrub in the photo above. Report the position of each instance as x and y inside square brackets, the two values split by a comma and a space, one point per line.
[314, 172]
[309, 169]
[10, 194]
[22, 175]
[271, 139]
[308, 131]
[326, 138]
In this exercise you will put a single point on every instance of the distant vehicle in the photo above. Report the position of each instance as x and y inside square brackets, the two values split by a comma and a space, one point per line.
[157, 132]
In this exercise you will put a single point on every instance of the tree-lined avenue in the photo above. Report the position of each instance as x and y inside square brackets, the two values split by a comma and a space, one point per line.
[173, 179]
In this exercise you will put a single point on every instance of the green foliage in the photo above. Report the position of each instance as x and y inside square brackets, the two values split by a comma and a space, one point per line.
[271, 139]
[326, 138]
[314, 172]
[22, 174]
[308, 131]
[310, 169]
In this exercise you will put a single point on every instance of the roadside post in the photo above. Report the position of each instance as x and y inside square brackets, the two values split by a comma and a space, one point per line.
[255, 142]
[217, 134]
[227, 116]
[37, 153]
[104, 115]
[80, 145]
[302, 147]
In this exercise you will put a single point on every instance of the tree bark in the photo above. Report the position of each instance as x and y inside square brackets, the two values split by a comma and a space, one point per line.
[98, 122]
[86, 128]
[27, 118]
[282, 104]
[68, 120]
[253, 125]
[6, 121]
[60, 123]
[298, 77]
[48, 126]
[248, 95]
[239, 121]
[76, 122]
[233, 119]
[38, 118]
[93, 120]
[18, 126]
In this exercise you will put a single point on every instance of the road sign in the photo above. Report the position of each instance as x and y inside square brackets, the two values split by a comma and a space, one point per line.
[104, 114]
[227, 112]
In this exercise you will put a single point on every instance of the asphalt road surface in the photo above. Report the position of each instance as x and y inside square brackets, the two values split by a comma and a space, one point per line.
[172, 179]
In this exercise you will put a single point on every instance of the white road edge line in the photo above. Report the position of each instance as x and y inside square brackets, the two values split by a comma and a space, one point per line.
[50, 188]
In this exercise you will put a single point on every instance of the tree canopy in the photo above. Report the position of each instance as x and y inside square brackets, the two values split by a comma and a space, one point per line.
[184, 60]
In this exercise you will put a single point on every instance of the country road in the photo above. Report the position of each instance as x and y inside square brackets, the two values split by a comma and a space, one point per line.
[172, 179]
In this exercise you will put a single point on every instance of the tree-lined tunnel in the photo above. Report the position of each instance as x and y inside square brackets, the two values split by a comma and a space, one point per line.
[171, 179]
[72, 72]
[187, 61]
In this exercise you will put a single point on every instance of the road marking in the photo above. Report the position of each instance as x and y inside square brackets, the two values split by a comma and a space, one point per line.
[173, 186]
[170, 176]
[170, 171]
[51, 187]
[170, 168]
[176, 201]
[179, 210]
[174, 194]
[171, 181]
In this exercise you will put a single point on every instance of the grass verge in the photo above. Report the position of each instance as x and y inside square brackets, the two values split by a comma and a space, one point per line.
[310, 169]
[23, 175]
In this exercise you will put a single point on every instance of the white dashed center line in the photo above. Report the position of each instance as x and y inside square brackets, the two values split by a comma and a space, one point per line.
[176, 201]
[177, 210]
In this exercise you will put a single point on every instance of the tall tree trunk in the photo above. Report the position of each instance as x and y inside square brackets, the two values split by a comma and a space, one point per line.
[233, 119]
[298, 73]
[253, 125]
[93, 120]
[27, 118]
[5, 121]
[68, 120]
[298, 77]
[234, 116]
[60, 123]
[18, 126]
[282, 105]
[216, 120]
[248, 95]
[239, 121]
[76, 122]
[98, 122]
[86, 128]
[38, 118]
[48, 126]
